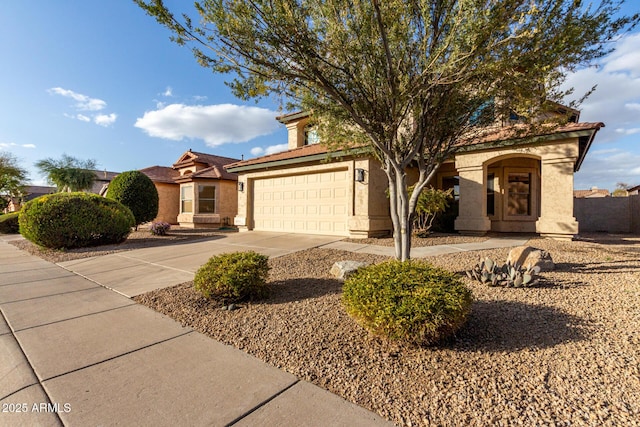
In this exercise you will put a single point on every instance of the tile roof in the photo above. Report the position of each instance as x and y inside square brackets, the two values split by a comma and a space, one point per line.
[594, 192]
[307, 150]
[210, 159]
[213, 172]
[105, 175]
[161, 174]
[496, 135]
[521, 132]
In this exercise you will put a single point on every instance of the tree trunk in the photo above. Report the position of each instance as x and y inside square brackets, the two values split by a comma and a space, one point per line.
[399, 210]
[402, 207]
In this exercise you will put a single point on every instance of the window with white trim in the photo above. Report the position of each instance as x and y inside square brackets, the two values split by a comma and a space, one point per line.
[206, 199]
[186, 199]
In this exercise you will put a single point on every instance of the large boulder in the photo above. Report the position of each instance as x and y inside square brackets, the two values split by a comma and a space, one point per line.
[343, 269]
[528, 256]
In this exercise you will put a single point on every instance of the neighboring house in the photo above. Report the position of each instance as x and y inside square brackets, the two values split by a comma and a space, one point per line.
[505, 182]
[163, 178]
[101, 183]
[589, 194]
[30, 193]
[634, 190]
[207, 192]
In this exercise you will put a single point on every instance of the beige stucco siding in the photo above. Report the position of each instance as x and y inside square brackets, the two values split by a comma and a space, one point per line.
[168, 202]
[226, 204]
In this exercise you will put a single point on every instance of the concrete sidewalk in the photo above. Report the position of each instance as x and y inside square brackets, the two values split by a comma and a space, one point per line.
[75, 353]
[426, 251]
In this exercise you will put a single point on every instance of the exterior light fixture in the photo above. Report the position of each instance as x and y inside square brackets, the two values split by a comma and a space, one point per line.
[240, 186]
[359, 175]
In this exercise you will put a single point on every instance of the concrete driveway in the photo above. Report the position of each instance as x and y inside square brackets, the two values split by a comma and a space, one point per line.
[138, 271]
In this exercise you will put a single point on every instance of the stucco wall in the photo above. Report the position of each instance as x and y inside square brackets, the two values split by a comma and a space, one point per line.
[169, 202]
[610, 214]
[226, 205]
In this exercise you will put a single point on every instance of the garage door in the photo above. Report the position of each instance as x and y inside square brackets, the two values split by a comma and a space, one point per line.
[312, 203]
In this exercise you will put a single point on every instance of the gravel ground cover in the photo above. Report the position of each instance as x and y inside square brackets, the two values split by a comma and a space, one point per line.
[564, 353]
[432, 239]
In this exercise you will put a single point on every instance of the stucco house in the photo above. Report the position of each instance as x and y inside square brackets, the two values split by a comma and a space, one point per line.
[199, 192]
[505, 182]
[594, 192]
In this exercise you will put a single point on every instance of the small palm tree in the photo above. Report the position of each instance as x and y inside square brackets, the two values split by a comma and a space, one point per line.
[69, 174]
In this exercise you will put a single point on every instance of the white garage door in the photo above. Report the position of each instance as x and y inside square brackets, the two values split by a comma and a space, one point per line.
[312, 203]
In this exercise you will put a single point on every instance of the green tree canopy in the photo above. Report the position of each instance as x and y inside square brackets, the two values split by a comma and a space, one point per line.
[12, 178]
[136, 191]
[408, 78]
[68, 173]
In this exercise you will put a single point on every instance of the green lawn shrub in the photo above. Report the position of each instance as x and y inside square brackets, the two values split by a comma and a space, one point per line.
[136, 191]
[73, 220]
[9, 223]
[233, 277]
[410, 301]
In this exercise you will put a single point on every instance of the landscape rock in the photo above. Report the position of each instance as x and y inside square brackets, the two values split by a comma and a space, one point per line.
[343, 269]
[528, 256]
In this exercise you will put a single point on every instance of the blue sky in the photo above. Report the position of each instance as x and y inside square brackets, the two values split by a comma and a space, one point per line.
[101, 80]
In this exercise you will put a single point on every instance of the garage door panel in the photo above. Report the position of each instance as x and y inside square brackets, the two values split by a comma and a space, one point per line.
[313, 203]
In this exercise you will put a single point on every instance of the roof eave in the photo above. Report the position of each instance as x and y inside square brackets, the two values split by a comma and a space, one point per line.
[299, 160]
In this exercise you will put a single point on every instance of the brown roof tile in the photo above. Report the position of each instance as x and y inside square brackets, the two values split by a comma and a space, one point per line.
[307, 150]
[499, 134]
[209, 159]
[161, 174]
[594, 192]
[520, 131]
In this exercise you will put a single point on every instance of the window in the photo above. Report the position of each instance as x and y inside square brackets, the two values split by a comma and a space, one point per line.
[491, 195]
[452, 182]
[519, 190]
[311, 136]
[206, 199]
[186, 199]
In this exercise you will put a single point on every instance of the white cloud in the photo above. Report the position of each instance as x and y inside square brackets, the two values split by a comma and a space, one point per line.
[105, 119]
[86, 103]
[272, 149]
[616, 100]
[215, 124]
[630, 131]
[168, 91]
[5, 145]
[604, 168]
[83, 102]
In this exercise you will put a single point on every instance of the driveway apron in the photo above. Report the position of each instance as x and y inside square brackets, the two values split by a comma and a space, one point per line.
[139, 271]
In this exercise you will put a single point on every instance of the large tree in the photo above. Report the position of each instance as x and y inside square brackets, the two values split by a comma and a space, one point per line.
[408, 78]
[68, 173]
[12, 178]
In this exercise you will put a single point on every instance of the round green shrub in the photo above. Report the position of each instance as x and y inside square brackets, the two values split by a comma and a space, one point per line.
[72, 220]
[9, 223]
[136, 191]
[233, 277]
[410, 301]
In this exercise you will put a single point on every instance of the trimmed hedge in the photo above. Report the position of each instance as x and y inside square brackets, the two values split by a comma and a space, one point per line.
[136, 191]
[72, 220]
[233, 277]
[410, 301]
[9, 223]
